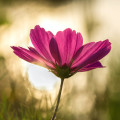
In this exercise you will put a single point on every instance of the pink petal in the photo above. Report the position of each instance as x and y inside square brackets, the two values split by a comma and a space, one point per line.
[50, 34]
[31, 56]
[79, 42]
[91, 53]
[81, 52]
[32, 50]
[91, 67]
[41, 39]
[67, 41]
[54, 51]
[20, 53]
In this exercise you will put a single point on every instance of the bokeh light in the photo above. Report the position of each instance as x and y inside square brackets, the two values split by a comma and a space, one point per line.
[93, 95]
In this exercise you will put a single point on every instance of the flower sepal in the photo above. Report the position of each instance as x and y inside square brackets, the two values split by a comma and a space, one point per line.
[63, 72]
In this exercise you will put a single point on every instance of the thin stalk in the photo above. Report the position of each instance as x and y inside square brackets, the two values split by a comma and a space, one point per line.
[58, 100]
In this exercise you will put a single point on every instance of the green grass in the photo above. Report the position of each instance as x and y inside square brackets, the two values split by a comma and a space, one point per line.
[13, 110]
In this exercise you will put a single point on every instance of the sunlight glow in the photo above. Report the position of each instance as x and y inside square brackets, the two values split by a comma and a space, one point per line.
[54, 25]
[41, 78]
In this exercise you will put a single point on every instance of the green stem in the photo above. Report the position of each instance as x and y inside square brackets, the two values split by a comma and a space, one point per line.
[58, 99]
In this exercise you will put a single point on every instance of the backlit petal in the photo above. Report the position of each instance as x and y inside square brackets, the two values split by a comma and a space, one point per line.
[31, 56]
[54, 51]
[41, 39]
[91, 67]
[66, 41]
[91, 53]
[79, 42]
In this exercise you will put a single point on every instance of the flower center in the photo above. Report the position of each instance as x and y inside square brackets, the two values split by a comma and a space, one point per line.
[63, 72]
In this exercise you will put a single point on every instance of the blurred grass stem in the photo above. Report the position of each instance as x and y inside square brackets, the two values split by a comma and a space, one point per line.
[58, 99]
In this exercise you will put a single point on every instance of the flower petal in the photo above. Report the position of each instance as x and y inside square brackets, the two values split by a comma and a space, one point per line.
[91, 53]
[41, 39]
[81, 51]
[91, 67]
[54, 51]
[79, 42]
[67, 41]
[31, 56]
[34, 51]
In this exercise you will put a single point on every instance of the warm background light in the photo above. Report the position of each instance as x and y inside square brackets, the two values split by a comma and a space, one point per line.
[87, 96]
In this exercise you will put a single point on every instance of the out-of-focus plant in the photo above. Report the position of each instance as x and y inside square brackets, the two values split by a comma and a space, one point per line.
[114, 87]
[3, 19]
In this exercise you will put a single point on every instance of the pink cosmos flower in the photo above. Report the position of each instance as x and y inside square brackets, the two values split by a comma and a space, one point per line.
[64, 53]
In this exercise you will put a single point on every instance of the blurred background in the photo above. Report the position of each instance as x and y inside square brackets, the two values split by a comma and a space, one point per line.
[28, 92]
